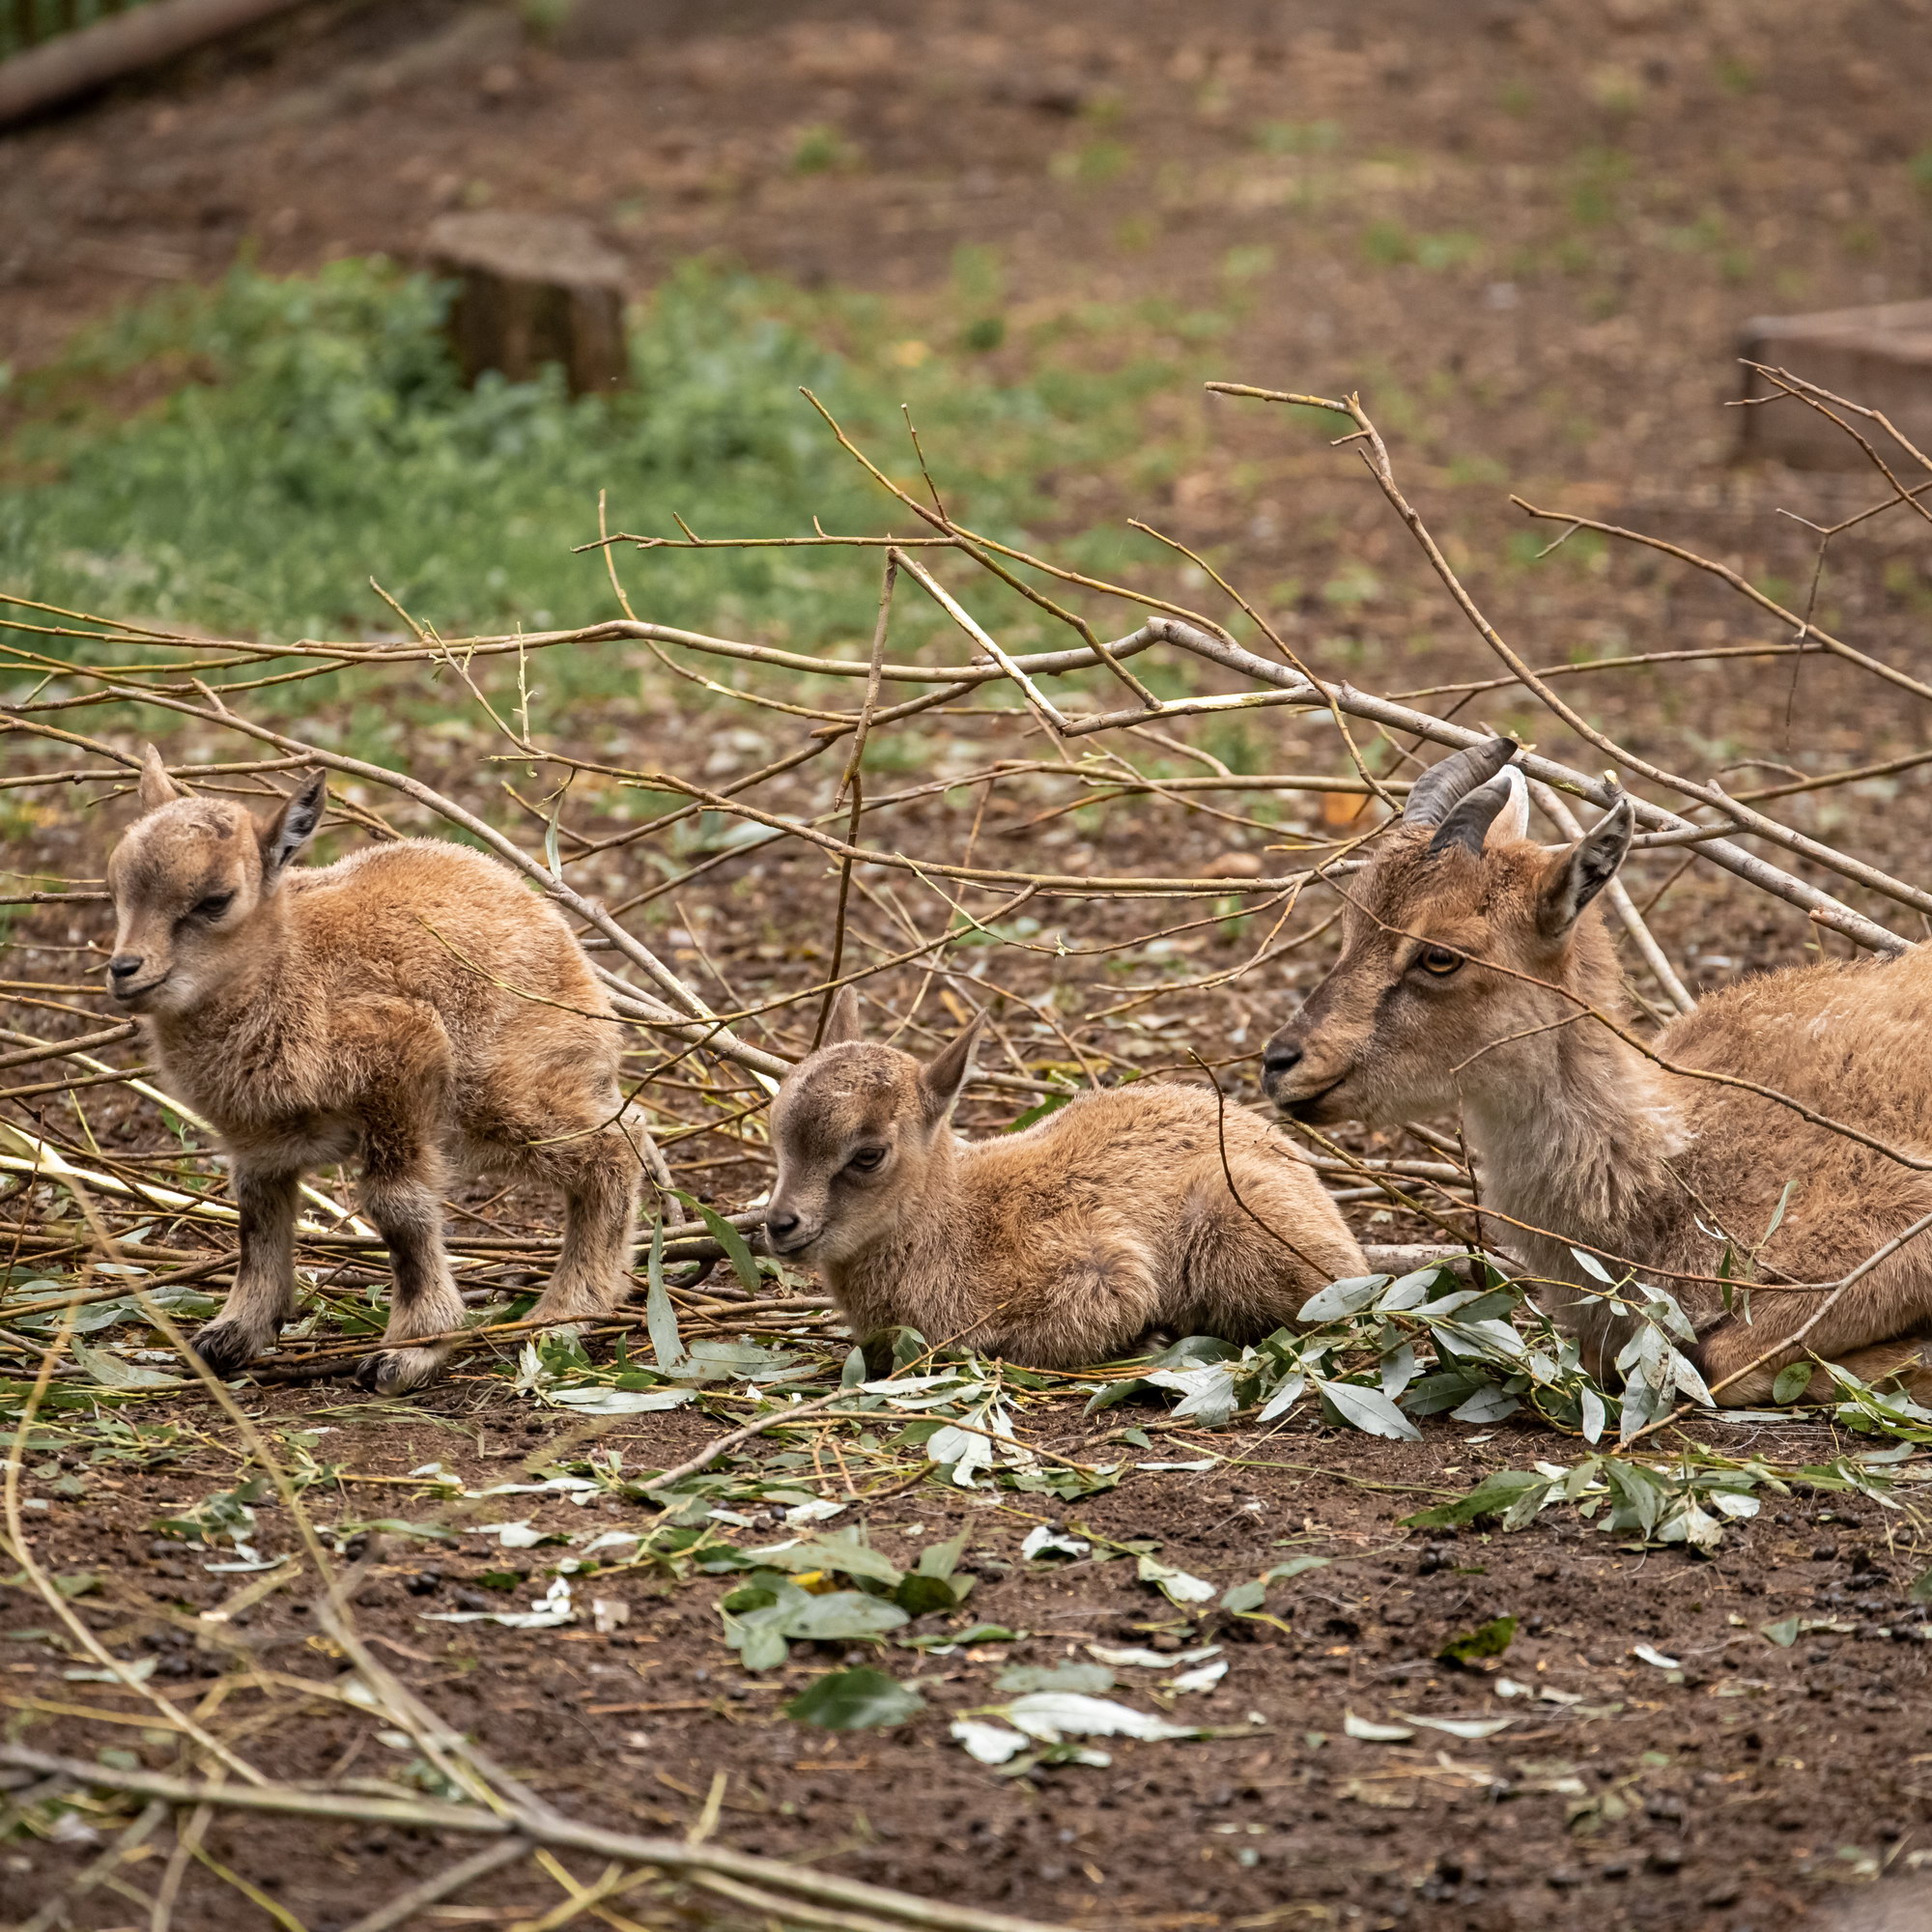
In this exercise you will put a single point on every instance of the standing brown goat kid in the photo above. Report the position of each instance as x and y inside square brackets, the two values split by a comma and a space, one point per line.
[1470, 956]
[365, 1009]
[1061, 1245]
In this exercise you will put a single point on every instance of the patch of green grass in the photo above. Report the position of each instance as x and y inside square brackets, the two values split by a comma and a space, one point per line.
[1093, 164]
[820, 150]
[1597, 184]
[1354, 583]
[1388, 245]
[1244, 263]
[27, 22]
[1298, 137]
[313, 433]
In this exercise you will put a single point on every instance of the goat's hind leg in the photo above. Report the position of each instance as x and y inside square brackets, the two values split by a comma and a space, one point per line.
[263, 1296]
[600, 1175]
[401, 1195]
[1881, 1331]
[1255, 1256]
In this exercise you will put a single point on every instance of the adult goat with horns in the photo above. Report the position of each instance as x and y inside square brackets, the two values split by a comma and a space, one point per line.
[1475, 977]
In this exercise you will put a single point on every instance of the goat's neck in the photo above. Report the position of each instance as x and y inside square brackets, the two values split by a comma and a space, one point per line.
[255, 1025]
[1575, 1130]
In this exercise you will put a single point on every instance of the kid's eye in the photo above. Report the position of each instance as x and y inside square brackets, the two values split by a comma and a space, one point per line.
[213, 905]
[867, 1160]
[1440, 960]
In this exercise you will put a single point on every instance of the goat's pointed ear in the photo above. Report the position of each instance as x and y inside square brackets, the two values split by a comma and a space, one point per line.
[1577, 876]
[291, 828]
[842, 1020]
[157, 787]
[942, 1076]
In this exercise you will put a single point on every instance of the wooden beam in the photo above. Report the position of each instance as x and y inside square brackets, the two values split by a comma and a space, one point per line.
[123, 43]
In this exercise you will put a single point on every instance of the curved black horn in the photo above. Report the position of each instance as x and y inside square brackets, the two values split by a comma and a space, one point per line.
[1441, 785]
[1468, 820]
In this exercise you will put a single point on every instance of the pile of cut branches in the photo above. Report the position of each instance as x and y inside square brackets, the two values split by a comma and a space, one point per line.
[118, 1232]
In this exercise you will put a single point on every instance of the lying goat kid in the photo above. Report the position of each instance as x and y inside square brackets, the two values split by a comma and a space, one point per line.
[371, 1009]
[1062, 1245]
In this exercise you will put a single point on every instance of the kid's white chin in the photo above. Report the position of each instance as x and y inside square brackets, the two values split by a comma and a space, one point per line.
[175, 994]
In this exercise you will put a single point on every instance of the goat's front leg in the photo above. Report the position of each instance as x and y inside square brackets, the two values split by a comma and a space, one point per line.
[1091, 1299]
[263, 1296]
[401, 1193]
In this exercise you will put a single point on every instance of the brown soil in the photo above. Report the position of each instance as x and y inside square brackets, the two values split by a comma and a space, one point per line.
[1737, 1798]
[1733, 1799]
[1763, 167]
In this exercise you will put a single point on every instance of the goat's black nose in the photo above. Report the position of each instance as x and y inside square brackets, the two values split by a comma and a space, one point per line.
[125, 965]
[1282, 1056]
[782, 1224]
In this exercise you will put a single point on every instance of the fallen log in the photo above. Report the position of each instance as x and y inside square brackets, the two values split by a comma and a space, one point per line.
[92, 57]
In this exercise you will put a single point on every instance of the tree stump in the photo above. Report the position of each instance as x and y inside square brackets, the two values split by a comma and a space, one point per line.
[1880, 357]
[535, 288]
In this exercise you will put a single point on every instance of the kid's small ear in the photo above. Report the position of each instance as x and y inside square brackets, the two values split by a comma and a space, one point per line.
[293, 826]
[842, 1019]
[942, 1076]
[157, 788]
[1577, 876]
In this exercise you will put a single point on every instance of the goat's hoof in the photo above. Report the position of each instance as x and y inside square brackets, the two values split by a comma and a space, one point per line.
[397, 1370]
[226, 1346]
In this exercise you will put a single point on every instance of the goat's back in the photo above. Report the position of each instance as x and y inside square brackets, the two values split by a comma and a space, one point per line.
[1848, 1038]
[1142, 1150]
[1848, 1041]
[438, 923]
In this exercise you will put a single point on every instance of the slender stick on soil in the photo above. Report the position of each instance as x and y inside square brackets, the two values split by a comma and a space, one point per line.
[187, 1841]
[55, 1911]
[668, 1855]
[711, 1452]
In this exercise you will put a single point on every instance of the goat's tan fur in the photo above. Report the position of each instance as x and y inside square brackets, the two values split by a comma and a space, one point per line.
[1061, 1245]
[370, 1009]
[1579, 1134]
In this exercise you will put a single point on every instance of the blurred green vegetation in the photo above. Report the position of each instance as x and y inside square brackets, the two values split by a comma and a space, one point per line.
[27, 23]
[244, 459]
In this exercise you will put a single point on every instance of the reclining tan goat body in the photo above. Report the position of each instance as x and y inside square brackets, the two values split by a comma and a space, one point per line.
[1468, 960]
[1064, 1244]
[371, 1009]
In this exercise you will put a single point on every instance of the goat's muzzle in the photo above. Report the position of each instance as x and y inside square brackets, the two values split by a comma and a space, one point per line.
[786, 1232]
[124, 978]
[1296, 1088]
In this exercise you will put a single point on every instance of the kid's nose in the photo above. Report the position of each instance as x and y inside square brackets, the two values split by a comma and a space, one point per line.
[781, 1223]
[123, 966]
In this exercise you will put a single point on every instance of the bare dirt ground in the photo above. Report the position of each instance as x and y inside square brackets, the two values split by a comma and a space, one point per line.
[1631, 180]
[1742, 1785]
[1721, 1800]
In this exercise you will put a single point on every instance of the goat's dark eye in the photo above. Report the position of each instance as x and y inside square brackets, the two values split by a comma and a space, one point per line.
[213, 905]
[1440, 960]
[867, 1160]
